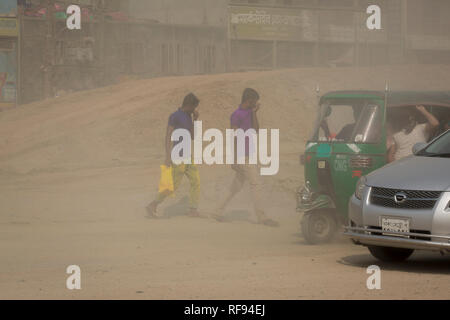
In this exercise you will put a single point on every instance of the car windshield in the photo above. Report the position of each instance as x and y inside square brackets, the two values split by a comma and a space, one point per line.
[438, 148]
[356, 121]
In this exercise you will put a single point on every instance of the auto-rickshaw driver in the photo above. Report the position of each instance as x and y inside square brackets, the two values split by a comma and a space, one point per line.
[345, 132]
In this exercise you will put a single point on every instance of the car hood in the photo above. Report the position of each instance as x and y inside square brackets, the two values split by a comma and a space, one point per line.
[413, 173]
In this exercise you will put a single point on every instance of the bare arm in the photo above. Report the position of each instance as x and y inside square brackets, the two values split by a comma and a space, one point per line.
[255, 122]
[168, 160]
[391, 153]
[433, 123]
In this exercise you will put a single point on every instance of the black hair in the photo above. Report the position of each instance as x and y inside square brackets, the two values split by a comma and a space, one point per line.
[249, 94]
[190, 100]
[407, 120]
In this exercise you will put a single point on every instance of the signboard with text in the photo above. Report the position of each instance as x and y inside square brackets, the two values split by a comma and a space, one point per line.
[258, 23]
[9, 27]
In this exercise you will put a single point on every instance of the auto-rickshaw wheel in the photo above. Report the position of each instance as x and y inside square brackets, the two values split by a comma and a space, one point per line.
[319, 226]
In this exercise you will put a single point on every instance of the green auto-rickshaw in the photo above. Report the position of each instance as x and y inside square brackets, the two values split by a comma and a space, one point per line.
[349, 141]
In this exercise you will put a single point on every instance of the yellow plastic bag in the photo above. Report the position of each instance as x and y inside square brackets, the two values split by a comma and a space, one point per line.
[166, 182]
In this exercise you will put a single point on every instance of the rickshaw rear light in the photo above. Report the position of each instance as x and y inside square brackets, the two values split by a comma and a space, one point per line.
[360, 162]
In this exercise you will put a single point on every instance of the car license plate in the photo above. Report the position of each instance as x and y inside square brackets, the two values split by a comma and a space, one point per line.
[395, 224]
[321, 164]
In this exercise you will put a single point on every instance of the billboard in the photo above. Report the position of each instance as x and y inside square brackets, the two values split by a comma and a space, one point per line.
[258, 23]
[8, 8]
[8, 71]
[9, 27]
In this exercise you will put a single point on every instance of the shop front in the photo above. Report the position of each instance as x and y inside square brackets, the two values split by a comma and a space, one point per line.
[8, 70]
[9, 35]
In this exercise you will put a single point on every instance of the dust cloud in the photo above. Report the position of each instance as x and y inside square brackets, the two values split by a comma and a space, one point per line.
[78, 168]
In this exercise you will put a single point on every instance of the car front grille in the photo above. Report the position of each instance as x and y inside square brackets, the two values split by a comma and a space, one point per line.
[414, 199]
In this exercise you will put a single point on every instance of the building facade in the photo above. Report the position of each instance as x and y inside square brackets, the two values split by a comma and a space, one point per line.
[186, 12]
[290, 33]
[9, 53]
[111, 45]
[427, 36]
[141, 38]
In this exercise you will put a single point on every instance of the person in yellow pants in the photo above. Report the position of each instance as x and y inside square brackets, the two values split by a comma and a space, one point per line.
[178, 171]
[183, 118]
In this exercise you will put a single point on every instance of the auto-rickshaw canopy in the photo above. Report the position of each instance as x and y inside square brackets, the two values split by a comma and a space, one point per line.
[396, 98]
[356, 116]
[427, 98]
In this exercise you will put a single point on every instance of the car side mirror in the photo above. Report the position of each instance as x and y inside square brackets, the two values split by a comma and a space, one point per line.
[418, 146]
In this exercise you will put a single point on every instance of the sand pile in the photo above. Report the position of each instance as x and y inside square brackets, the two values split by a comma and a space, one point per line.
[125, 124]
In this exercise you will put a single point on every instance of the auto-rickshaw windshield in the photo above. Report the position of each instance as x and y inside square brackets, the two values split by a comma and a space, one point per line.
[357, 121]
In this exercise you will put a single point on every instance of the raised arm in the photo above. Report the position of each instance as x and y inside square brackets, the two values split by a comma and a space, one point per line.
[433, 123]
[392, 149]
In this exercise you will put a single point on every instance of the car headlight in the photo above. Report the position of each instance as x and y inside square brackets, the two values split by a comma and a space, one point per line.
[360, 188]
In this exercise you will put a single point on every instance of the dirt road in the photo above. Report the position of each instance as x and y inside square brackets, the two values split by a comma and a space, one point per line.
[76, 173]
[123, 255]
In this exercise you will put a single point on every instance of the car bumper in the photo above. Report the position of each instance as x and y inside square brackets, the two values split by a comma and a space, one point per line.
[364, 228]
[365, 236]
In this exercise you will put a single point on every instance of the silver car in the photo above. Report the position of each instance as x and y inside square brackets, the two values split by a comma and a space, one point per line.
[405, 206]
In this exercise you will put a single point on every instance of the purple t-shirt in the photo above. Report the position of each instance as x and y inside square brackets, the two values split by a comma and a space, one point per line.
[243, 119]
[181, 120]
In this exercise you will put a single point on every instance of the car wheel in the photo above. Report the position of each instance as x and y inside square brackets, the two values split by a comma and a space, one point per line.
[319, 226]
[388, 254]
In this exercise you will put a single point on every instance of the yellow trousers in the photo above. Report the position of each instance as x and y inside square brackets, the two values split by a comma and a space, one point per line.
[191, 172]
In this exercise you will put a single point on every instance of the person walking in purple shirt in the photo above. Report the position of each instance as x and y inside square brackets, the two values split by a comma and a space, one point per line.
[245, 118]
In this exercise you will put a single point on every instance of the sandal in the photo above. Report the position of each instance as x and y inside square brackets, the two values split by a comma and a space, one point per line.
[151, 211]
